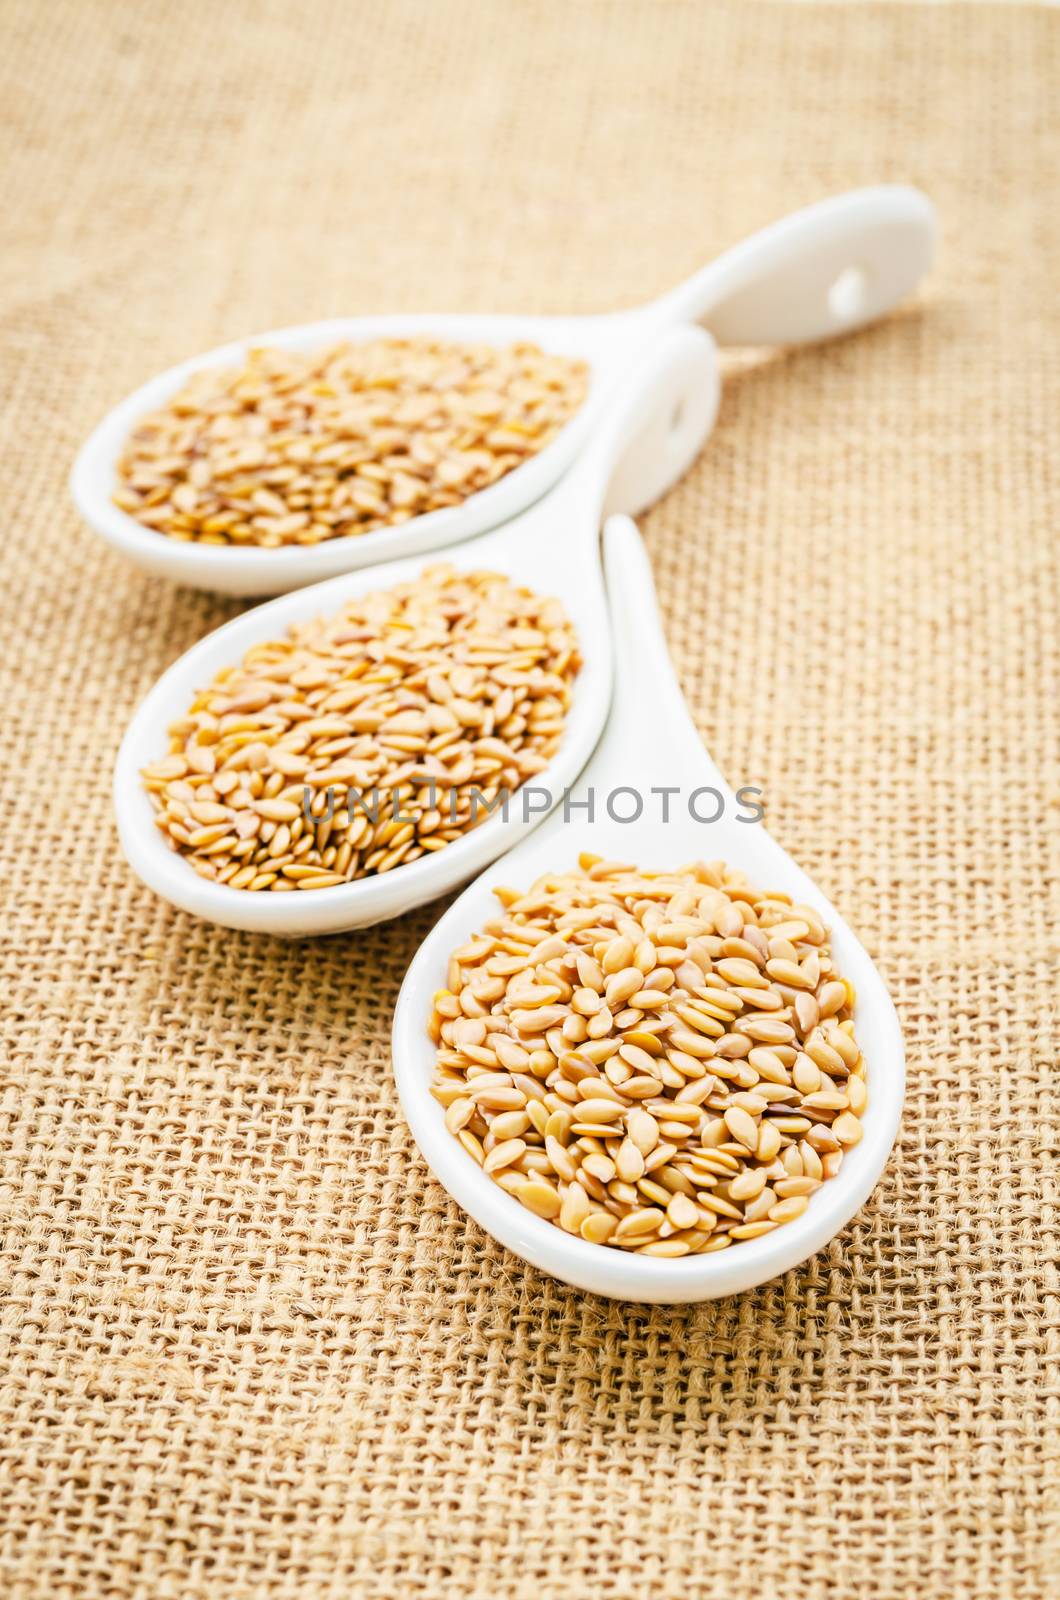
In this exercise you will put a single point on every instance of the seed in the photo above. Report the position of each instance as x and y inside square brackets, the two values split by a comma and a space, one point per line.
[561, 1160]
[618, 956]
[791, 1161]
[509, 1125]
[277, 810]
[641, 1088]
[732, 1047]
[599, 1227]
[589, 971]
[472, 1145]
[844, 1046]
[537, 1112]
[638, 1059]
[694, 1093]
[831, 997]
[749, 1183]
[296, 447]
[629, 1162]
[511, 1055]
[599, 1110]
[643, 1130]
[857, 1095]
[742, 1126]
[792, 931]
[767, 1064]
[740, 971]
[680, 1121]
[207, 836]
[648, 999]
[682, 1212]
[469, 1031]
[692, 1044]
[559, 1123]
[459, 1114]
[728, 920]
[696, 1019]
[765, 1030]
[760, 1206]
[204, 811]
[820, 1137]
[504, 1155]
[540, 1198]
[806, 1075]
[788, 972]
[825, 1100]
[639, 1222]
[745, 947]
[500, 1099]
[616, 1124]
[789, 1186]
[665, 1247]
[823, 1054]
[807, 1012]
[575, 1209]
[847, 1129]
[539, 1019]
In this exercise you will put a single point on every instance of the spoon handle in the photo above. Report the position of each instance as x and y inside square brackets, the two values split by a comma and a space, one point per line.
[647, 696]
[652, 429]
[649, 715]
[822, 271]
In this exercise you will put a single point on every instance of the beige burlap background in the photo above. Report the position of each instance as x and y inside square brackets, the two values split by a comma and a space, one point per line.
[248, 1348]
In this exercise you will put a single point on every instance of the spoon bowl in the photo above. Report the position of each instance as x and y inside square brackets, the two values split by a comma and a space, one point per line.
[651, 434]
[650, 744]
[825, 270]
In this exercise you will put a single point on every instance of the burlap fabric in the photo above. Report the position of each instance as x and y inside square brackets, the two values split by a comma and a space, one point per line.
[248, 1347]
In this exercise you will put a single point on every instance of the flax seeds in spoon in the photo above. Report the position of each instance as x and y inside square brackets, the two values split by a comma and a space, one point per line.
[295, 448]
[360, 742]
[659, 1062]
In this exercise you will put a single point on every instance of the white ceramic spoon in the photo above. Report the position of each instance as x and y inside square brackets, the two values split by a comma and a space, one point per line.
[650, 742]
[646, 442]
[822, 271]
